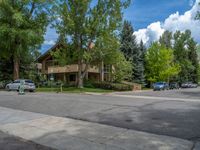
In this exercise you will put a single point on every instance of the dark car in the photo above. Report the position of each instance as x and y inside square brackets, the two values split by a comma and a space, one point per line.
[160, 86]
[174, 85]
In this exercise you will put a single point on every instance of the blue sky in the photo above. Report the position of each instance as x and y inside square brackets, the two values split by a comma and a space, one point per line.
[141, 13]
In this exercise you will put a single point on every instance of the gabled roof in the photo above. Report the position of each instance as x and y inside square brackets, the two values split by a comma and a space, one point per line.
[48, 52]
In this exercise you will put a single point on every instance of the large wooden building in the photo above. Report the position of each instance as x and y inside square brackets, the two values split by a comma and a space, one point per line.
[68, 73]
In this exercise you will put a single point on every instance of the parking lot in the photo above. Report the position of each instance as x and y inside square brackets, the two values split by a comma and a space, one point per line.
[173, 113]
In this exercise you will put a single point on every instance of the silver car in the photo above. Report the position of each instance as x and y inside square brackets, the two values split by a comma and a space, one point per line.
[28, 86]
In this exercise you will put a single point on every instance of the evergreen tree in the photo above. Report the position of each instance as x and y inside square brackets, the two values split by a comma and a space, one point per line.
[128, 41]
[142, 62]
[166, 39]
[133, 52]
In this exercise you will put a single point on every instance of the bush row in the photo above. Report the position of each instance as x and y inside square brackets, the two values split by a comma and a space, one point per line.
[113, 86]
[101, 85]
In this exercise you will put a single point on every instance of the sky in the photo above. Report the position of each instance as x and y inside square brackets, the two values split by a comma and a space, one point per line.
[150, 18]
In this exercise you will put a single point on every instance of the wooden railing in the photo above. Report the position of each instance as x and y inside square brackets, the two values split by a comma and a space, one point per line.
[70, 68]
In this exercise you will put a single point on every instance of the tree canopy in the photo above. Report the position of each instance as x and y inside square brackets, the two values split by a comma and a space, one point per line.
[185, 53]
[133, 52]
[91, 31]
[22, 26]
[160, 64]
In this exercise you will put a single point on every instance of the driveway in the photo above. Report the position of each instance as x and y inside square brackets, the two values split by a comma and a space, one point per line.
[170, 113]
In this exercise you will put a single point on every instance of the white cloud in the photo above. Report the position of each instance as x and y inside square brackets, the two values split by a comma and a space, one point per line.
[150, 34]
[173, 23]
[191, 2]
[49, 42]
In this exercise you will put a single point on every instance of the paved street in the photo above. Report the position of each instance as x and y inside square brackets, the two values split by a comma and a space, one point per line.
[8, 142]
[174, 114]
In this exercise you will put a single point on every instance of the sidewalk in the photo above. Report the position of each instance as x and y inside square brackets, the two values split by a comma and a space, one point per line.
[68, 134]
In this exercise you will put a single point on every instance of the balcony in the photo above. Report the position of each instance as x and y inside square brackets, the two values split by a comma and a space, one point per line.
[70, 68]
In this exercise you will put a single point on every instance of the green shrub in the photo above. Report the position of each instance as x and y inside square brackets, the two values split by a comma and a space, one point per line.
[113, 86]
[89, 84]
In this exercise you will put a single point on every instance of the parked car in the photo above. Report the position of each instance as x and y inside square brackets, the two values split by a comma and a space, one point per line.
[194, 85]
[189, 85]
[174, 85]
[185, 85]
[160, 86]
[28, 86]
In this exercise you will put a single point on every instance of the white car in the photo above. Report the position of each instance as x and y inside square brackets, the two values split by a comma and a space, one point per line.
[14, 86]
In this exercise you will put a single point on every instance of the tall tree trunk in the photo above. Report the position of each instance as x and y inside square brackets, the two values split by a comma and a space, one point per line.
[81, 73]
[80, 76]
[16, 68]
[102, 71]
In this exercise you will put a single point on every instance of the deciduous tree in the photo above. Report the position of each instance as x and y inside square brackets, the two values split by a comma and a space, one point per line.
[160, 64]
[91, 31]
[185, 53]
[22, 26]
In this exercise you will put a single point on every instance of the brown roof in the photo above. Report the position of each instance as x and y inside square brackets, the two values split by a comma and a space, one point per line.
[48, 52]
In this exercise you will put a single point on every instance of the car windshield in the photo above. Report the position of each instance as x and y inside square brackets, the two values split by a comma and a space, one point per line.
[28, 81]
[16, 81]
[159, 83]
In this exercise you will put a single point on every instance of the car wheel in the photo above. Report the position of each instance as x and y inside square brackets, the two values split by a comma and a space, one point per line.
[18, 89]
[8, 88]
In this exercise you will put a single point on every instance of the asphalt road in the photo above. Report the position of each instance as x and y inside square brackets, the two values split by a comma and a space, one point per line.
[172, 113]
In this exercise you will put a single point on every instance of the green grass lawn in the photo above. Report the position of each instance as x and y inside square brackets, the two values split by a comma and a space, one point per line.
[73, 90]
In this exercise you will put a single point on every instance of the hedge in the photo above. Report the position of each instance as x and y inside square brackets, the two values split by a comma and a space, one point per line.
[113, 86]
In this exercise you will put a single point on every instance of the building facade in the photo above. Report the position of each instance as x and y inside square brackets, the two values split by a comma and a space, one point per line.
[68, 73]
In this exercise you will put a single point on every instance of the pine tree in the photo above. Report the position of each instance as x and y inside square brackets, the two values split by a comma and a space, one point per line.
[142, 62]
[166, 39]
[133, 52]
[128, 40]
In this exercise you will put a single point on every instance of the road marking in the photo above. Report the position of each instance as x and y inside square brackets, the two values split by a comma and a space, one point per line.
[157, 98]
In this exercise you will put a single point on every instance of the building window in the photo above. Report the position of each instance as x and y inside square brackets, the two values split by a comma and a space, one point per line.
[72, 77]
[107, 68]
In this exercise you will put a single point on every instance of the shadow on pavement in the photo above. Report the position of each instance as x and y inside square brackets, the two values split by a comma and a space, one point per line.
[8, 142]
